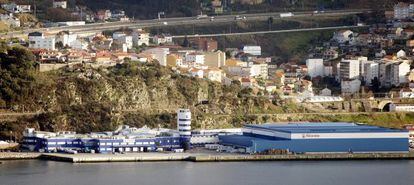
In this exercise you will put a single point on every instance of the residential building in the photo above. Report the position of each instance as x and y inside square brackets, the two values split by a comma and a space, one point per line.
[399, 73]
[349, 69]
[162, 39]
[402, 11]
[140, 37]
[315, 67]
[66, 38]
[195, 57]
[159, 54]
[123, 38]
[16, 8]
[60, 4]
[253, 50]
[371, 71]
[39, 40]
[206, 44]
[215, 58]
[174, 60]
[213, 74]
[343, 36]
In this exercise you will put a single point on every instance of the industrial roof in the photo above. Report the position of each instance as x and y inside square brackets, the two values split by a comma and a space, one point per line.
[320, 127]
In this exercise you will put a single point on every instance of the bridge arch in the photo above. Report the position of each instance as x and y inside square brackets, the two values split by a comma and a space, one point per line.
[384, 105]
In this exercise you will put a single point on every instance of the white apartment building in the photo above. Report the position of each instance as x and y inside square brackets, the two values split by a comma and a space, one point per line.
[60, 4]
[39, 40]
[16, 8]
[123, 39]
[343, 36]
[67, 38]
[259, 70]
[198, 58]
[371, 71]
[140, 38]
[162, 39]
[399, 73]
[253, 50]
[315, 67]
[403, 10]
[349, 69]
[159, 54]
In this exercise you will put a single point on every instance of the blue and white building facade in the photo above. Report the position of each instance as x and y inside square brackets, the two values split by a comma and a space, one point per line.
[124, 139]
[318, 137]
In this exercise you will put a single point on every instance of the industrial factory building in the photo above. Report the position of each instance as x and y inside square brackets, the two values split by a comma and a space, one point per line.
[318, 137]
[123, 139]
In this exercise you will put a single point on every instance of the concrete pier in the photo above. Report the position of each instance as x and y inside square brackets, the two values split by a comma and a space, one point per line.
[219, 157]
[18, 155]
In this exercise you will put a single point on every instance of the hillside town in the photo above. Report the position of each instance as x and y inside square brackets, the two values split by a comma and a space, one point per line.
[361, 63]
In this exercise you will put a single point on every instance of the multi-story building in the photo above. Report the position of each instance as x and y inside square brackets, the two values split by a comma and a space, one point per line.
[349, 69]
[123, 38]
[371, 71]
[16, 8]
[60, 4]
[343, 36]
[39, 40]
[315, 67]
[215, 59]
[198, 58]
[206, 44]
[253, 50]
[140, 38]
[402, 10]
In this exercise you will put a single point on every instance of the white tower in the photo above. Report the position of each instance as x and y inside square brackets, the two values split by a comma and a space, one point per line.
[184, 122]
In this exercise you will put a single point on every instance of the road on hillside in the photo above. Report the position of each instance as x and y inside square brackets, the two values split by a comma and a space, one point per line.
[98, 27]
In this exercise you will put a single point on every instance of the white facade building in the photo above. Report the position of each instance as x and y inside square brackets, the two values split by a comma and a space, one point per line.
[184, 122]
[401, 108]
[39, 40]
[349, 69]
[198, 58]
[140, 38]
[343, 36]
[60, 4]
[371, 71]
[315, 67]
[403, 10]
[123, 39]
[16, 8]
[399, 73]
[253, 50]
[67, 38]
[159, 54]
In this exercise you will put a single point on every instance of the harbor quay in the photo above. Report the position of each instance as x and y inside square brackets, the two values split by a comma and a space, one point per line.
[253, 142]
[218, 157]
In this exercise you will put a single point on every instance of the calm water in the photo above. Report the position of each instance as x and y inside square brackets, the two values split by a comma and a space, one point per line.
[187, 173]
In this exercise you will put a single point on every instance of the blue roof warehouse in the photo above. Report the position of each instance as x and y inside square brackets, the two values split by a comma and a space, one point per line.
[318, 137]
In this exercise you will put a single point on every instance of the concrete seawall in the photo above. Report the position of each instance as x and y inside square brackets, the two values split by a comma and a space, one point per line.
[201, 157]
[18, 155]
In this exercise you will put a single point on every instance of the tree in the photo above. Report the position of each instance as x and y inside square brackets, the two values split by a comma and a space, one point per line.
[186, 43]
[270, 22]
[375, 85]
